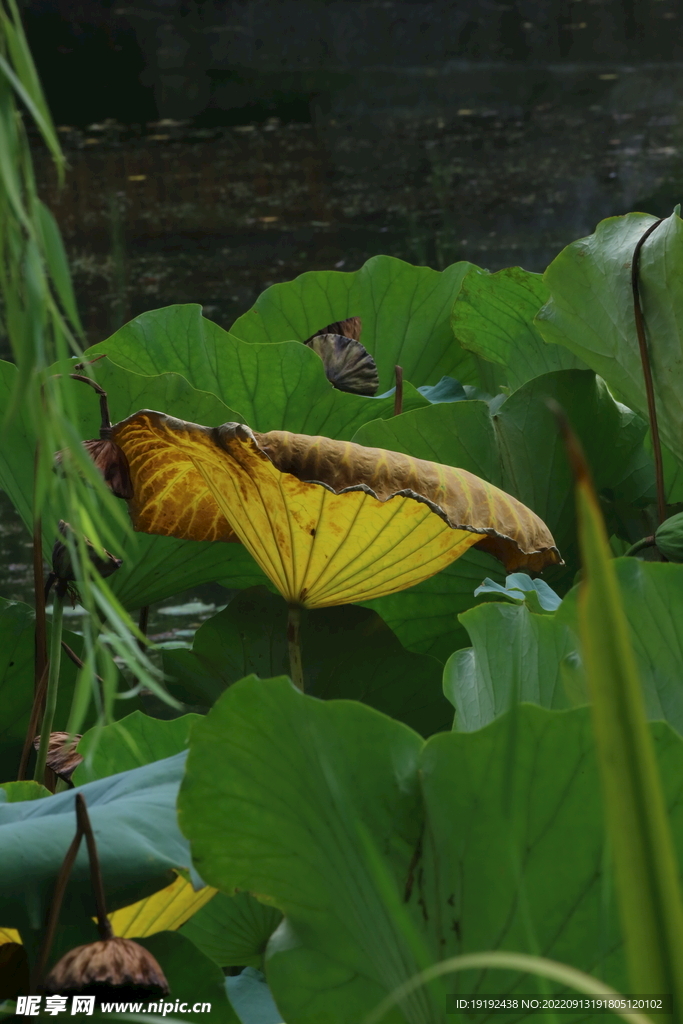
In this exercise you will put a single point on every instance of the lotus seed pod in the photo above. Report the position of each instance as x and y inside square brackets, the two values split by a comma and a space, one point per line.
[349, 328]
[114, 967]
[669, 538]
[112, 464]
[62, 757]
[348, 365]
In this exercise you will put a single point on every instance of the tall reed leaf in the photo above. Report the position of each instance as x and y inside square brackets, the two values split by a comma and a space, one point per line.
[647, 884]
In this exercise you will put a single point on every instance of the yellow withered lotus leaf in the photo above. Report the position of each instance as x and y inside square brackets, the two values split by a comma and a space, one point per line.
[163, 911]
[330, 522]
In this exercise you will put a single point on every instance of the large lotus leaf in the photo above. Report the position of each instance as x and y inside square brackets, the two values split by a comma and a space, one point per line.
[129, 743]
[519, 448]
[274, 387]
[153, 567]
[17, 645]
[425, 618]
[134, 821]
[251, 997]
[329, 522]
[347, 652]
[519, 655]
[233, 930]
[494, 315]
[193, 980]
[591, 311]
[405, 313]
[297, 800]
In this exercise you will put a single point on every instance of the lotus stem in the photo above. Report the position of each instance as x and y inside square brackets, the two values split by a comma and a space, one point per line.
[293, 639]
[647, 374]
[52, 679]
[32, 729]
[56, 904]
[83, 819]
[398, 394]
[39, 599]
[645, 542]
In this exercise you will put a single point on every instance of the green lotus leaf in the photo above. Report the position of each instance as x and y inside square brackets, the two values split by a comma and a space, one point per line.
[233, 930]
[494, 315]
[519, 655]
[347, 652]
[274, 387]
[360, 817]
[404, 311]
[131, 742]
[590, 311]
[192, 978]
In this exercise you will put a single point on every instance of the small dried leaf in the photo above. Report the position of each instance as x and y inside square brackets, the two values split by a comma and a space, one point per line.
[330, 522]
[348, 365]
[62, 757]
[112, 966]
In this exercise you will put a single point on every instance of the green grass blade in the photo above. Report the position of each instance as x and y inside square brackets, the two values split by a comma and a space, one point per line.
[646, 872]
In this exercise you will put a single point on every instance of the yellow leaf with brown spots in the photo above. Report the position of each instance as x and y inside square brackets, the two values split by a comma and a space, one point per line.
[330, 522]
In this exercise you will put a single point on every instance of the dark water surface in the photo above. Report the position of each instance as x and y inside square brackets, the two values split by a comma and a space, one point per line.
[500, 164]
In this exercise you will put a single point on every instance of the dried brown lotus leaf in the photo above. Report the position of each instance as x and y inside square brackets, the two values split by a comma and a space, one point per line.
[111, 967]
[330, 522]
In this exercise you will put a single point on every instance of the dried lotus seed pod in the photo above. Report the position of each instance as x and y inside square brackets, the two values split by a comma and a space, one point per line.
[349, 328]
[348, 365]
[112, 464]
[115, 967]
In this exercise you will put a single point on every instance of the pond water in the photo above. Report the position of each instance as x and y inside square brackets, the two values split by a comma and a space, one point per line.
[499, 164]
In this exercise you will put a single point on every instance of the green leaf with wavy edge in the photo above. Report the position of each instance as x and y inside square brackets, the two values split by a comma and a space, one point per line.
[477, 851]
[514, 653]
[493, 315]
[134, 819]
[130, 743]
[233, 930]
[274, 387]
[405, 312]
[590, 311]
[153, 567]
[646, 866]
[347, 652]
[518, 449]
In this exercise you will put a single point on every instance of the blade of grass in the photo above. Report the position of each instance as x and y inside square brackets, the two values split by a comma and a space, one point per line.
[646, 872]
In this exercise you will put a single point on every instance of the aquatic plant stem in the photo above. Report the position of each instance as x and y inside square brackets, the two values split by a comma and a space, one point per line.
[293, 639]
[52, 679]
[83, 819]
[32, 729]
[647, 374]
[645, 542]
[398, 394]
[39, 601]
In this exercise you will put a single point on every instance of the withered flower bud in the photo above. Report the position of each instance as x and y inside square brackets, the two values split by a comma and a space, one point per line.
[112, 464]
[105, 563]
[111, 968]
[61, 754]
